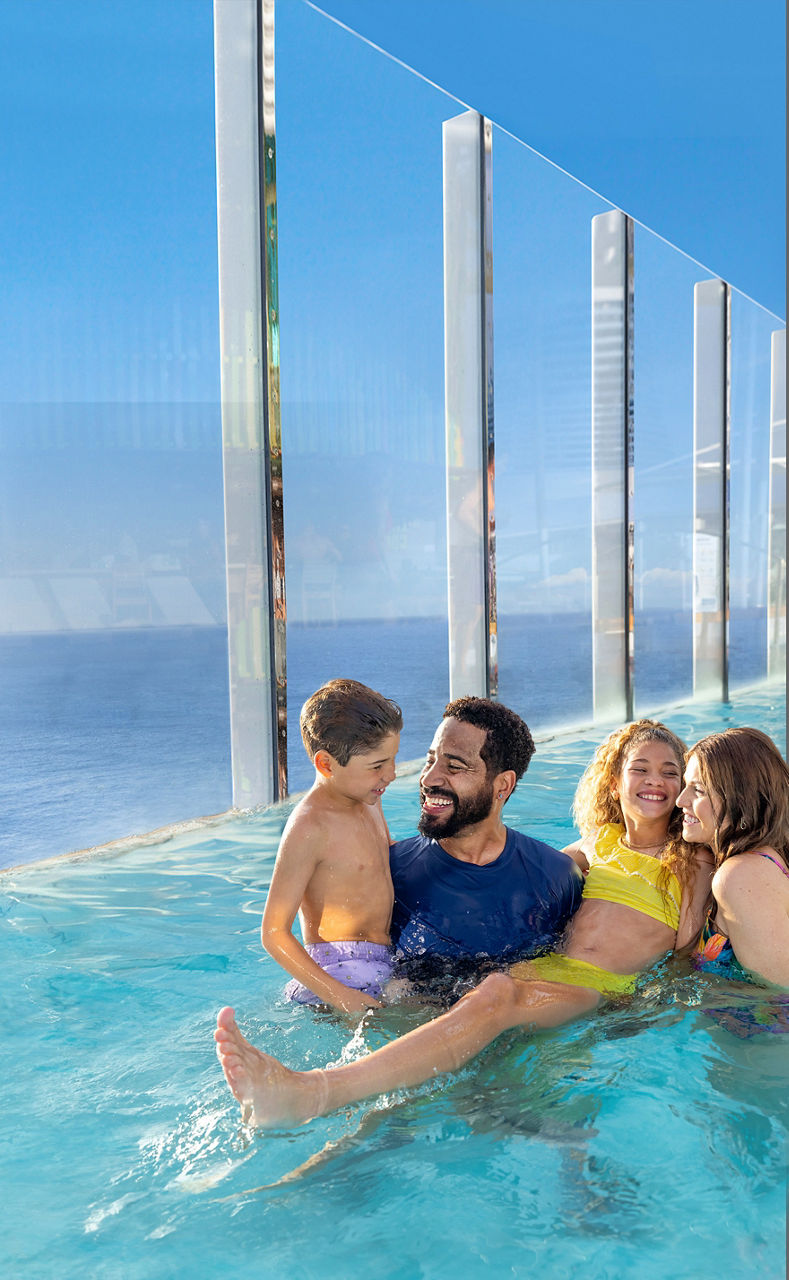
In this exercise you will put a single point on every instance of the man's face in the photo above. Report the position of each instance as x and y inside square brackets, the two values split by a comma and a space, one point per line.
[454, 787]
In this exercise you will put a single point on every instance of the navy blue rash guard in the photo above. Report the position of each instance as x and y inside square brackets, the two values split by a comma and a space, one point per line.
[510, 909]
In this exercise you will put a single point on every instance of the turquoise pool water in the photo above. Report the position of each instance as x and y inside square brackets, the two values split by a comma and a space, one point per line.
[647, 1141]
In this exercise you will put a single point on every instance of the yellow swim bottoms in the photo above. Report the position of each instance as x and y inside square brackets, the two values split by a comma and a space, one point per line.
[556, 967]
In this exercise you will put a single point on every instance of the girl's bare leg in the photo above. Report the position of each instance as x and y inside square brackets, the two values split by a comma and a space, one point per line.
[272, 1095]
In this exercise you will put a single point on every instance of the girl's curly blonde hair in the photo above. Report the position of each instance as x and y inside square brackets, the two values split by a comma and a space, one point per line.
[596, 803]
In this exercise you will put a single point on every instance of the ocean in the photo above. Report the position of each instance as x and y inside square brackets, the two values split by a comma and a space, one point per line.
[116, 733]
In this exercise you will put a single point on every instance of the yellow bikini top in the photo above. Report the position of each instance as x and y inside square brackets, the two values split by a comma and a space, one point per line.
[619, 874]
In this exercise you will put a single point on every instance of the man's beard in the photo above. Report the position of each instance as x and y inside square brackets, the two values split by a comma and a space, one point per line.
[466, 813]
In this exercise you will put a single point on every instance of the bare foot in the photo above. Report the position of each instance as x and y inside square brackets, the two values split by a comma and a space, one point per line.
[270, 1094]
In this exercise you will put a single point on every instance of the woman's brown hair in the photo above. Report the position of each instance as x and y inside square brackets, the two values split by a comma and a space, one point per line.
[749, 780]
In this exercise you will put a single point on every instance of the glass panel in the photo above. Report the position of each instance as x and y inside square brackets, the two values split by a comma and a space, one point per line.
[663, 471]
[542, 335]
[112, 587]
[776, 570]
[112, 583]
[361, 310]
[751, 330]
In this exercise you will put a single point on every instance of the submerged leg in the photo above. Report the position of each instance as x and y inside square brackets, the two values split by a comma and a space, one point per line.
[270, 1094]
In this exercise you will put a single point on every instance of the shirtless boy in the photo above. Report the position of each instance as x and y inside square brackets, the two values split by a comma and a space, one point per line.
[332, 866]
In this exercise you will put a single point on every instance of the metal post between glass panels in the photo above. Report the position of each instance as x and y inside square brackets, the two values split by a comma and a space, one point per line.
[612, 465]
[776, 554]
[249, 348]
[468, 350]
[711, 419]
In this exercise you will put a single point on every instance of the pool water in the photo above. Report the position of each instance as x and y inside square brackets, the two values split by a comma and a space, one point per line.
[648, 1140]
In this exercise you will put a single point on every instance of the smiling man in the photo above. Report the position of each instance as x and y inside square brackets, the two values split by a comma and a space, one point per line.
[468, 889]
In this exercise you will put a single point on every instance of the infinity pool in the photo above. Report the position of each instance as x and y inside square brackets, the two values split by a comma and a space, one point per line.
[646, 1141]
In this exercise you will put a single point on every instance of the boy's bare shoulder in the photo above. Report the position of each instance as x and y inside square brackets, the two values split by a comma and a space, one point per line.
[310, 820]
[309, 810]
[317, 817]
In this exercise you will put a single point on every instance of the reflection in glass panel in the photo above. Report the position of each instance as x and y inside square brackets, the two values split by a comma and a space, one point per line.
[776, 571]
[542, 334]
[360, 277]
[663, 462]
[114, 671]
[751, 343]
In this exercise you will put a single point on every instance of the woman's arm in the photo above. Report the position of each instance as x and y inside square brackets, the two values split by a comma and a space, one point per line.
[695, 900]
[752, 899]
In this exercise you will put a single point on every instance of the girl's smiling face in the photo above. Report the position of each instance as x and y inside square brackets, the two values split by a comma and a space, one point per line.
[650, 782]
[700, 807]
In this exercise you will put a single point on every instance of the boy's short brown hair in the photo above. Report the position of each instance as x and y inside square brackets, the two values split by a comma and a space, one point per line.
[346, 718]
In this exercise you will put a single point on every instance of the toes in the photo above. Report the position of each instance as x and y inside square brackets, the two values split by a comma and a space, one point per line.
[226, 1019]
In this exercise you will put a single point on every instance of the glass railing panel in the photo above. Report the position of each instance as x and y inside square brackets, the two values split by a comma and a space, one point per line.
[359, 188]
[663, 471]
[112, 586]
[749, 475]
[542, 326]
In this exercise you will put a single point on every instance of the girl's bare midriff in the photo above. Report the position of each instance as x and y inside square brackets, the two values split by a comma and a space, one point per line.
[616, 937]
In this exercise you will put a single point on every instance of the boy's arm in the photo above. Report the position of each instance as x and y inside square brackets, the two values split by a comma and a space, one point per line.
[297, 860]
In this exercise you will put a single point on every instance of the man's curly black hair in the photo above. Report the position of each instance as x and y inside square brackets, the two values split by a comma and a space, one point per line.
[508, 742]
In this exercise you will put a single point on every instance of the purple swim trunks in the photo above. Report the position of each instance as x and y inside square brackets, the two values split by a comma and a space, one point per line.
[365, 966]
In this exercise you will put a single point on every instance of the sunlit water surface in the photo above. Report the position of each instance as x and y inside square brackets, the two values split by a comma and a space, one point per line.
[644, 1141]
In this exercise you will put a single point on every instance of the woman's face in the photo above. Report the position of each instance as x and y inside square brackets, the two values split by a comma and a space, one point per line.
[650, 781]
[700, 807]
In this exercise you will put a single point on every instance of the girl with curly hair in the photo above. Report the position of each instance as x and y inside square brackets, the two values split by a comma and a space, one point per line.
[617, 807]
[645, 894]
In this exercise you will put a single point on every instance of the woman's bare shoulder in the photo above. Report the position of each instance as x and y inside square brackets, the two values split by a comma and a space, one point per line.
[756, 869]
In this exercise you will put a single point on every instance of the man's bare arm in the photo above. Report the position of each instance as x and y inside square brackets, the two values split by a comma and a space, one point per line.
[578, 851]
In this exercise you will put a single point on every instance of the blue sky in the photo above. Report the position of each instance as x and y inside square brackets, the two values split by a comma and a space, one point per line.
[108, 225]
[111, 502]
[672, 109]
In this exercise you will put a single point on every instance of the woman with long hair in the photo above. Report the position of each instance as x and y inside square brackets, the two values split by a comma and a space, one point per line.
[736, 803]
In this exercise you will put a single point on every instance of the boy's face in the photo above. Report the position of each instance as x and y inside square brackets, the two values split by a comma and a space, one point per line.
[366, 776]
